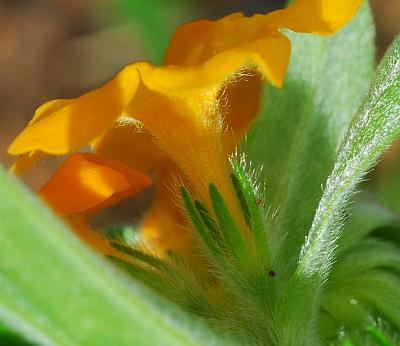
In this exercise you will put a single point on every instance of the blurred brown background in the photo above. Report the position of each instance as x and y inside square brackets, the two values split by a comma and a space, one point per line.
[61, 48]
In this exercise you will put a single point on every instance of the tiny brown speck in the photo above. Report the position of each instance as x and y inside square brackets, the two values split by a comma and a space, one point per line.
[271, 273]
[258, 201]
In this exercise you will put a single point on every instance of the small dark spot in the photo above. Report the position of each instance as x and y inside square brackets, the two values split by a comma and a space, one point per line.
[271, 273]
[259, 201]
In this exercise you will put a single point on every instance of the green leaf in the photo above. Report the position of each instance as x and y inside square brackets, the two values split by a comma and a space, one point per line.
[368, 253]
[10, 338]
[296, 136]
[54, 290]
[376, 125]
[375, 290]
[366, 216]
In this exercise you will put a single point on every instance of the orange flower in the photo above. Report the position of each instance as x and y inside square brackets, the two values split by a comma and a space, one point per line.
[183, 118]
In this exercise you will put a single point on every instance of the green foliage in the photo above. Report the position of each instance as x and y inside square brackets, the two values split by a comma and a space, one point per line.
[379, 337]
[53, 290]
[252, 278]
[372, 131]
[375, 126]
[296, 136]
[366, 215]
[10, 338]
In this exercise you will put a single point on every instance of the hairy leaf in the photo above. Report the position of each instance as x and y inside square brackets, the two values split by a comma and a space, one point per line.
[54, 291]
[296, 136]
[376, 125]
[372, 131]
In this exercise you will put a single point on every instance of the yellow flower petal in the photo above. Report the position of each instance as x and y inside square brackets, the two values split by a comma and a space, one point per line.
[181, 105]
[64, 125]
[88, 182]
[136, 148]
[61, 126]
[187, 127]
[322, 17]
[242, 100]
[48, 108]
[24, 162]
[250, 39]
[214, 50]
[162, 228]
[186, 41]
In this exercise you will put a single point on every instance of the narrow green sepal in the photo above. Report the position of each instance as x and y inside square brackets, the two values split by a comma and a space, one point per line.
[211, 225]
[252, 206]
[140, 256]
[198, 222]
[230, 231]
[205, 216]
[243, 201]
[150, 277]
